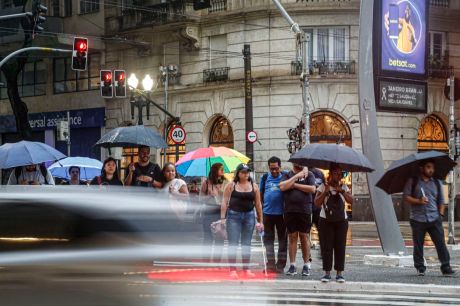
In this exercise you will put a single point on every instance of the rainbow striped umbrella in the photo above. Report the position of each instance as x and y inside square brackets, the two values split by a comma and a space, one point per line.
[199, 162]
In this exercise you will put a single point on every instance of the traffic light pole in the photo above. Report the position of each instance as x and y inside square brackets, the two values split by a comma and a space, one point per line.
[13, 54]
[452, 153]
[303, 40]
[12, 16]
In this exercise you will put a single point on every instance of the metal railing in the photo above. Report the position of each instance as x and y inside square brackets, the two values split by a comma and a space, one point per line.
[218, 6]
[158, 14]
[439, 3]
[215, 74]
[325, 67]
[438, 66]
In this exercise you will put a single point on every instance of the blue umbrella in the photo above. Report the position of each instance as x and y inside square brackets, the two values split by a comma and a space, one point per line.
[89, 167]
[132, 136]
[27, 153]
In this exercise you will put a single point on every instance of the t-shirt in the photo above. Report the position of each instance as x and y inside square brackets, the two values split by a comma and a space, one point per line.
[30, 176]
[333, 190]
[105, 181]
[296, 201]
[429, 189]
[152, 170]
[273, 197]
[68, 183]
[175, 183]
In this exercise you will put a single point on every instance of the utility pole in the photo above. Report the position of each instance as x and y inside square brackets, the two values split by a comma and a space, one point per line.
[249, 120]
[302, 40]
[68, 134]
[452, 153]
[167, 71]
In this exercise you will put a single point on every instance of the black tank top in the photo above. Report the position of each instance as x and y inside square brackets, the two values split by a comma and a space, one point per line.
[242, 201]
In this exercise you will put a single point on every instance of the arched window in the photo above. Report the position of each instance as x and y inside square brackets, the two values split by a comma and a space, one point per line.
[432, 135]
[328, 127]
[174, 151]
[221, 133]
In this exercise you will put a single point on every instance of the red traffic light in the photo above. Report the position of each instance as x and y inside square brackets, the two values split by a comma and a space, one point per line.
[106, 76]
[80, 44]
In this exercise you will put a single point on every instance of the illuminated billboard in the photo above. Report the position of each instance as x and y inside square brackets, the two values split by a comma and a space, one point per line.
[403, 37]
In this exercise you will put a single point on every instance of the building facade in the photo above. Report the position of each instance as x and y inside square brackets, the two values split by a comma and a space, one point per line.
[207, 93]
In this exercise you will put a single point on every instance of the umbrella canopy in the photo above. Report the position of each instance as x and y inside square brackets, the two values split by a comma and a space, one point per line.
[27, 153]
[132, 136]
[400, 171]
[89, 168]
[322, 155]
[199, 162]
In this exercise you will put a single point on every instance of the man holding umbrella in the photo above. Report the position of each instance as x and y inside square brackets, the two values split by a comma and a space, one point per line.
[424, 194]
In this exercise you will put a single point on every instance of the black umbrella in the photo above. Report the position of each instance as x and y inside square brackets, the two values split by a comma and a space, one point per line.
[322, 155]
[400, 171]
[132, 136]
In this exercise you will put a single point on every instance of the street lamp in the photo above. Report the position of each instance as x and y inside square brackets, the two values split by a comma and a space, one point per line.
[147, 83]
[133, 81]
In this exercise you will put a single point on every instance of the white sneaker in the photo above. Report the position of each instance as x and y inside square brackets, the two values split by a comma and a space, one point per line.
[233, 275]
[249, 274]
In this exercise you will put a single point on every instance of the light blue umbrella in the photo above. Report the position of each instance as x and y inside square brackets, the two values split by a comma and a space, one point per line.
[27, 153]
[89, 167]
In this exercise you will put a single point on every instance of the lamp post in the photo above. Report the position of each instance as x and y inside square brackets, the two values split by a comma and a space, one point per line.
[167, 72]
[452, 153]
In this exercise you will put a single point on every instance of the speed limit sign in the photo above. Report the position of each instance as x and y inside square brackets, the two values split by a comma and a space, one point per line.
[177, 134]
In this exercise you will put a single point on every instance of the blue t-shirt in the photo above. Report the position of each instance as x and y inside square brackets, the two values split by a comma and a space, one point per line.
[273, 197]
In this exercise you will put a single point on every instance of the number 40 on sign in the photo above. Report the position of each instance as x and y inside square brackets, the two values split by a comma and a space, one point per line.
[177, 134]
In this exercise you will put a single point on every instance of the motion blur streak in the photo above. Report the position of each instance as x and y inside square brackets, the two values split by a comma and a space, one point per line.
[204, 275]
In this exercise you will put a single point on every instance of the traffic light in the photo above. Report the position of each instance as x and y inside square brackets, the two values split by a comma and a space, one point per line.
[37, 19]
[120, 83]
[106, 84]
[80, 53]
[201, 4]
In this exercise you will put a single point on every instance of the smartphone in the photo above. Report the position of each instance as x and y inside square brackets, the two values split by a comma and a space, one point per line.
[394, 21]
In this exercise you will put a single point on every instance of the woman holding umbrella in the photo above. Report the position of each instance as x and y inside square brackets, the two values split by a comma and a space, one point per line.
[333, 224]
[109, 174]
[212, 192]
[241, 199]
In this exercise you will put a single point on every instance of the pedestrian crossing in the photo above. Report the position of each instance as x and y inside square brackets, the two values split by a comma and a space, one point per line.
[276, 293]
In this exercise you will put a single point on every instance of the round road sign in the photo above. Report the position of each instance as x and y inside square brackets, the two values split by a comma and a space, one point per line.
[177, 134]
[251, 136]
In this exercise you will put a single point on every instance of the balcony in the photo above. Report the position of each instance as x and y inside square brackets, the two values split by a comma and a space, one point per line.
[217, 6]
[325, 68]
[438, 67]
[439, 3]
[157, 14]
[215, 74]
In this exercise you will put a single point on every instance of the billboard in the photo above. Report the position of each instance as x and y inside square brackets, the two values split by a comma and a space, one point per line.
[403, 37]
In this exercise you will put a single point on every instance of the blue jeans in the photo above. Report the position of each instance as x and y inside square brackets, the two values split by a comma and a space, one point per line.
[240, 227]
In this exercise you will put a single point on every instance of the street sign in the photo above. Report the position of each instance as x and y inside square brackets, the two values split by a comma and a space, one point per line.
[177, 134]
[62, 130]
[251, 136]
[401, 96]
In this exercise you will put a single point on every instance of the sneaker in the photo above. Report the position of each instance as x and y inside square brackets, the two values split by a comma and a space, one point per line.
[292, 270]
[340, 279]
[306, 270]
[421, 272]
[249, 274]
[233, 275]
[448, 272]
[326, 279]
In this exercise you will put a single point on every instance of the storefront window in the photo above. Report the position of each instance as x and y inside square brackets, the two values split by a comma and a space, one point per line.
[221, 134]
[432, 135]
[129, 155]
[328, 127]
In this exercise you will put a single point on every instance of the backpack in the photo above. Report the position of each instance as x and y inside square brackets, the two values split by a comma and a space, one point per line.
[415, 181]
[334, 208]
[43, 170]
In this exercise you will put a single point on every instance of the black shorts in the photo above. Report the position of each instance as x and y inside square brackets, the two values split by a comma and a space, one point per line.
[297, 222]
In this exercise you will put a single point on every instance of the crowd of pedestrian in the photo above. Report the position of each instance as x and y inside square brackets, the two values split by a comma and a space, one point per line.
[283, 207]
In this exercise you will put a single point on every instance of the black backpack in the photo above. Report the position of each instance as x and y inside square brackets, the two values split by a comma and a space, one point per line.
[334, 208]
[44, 172]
